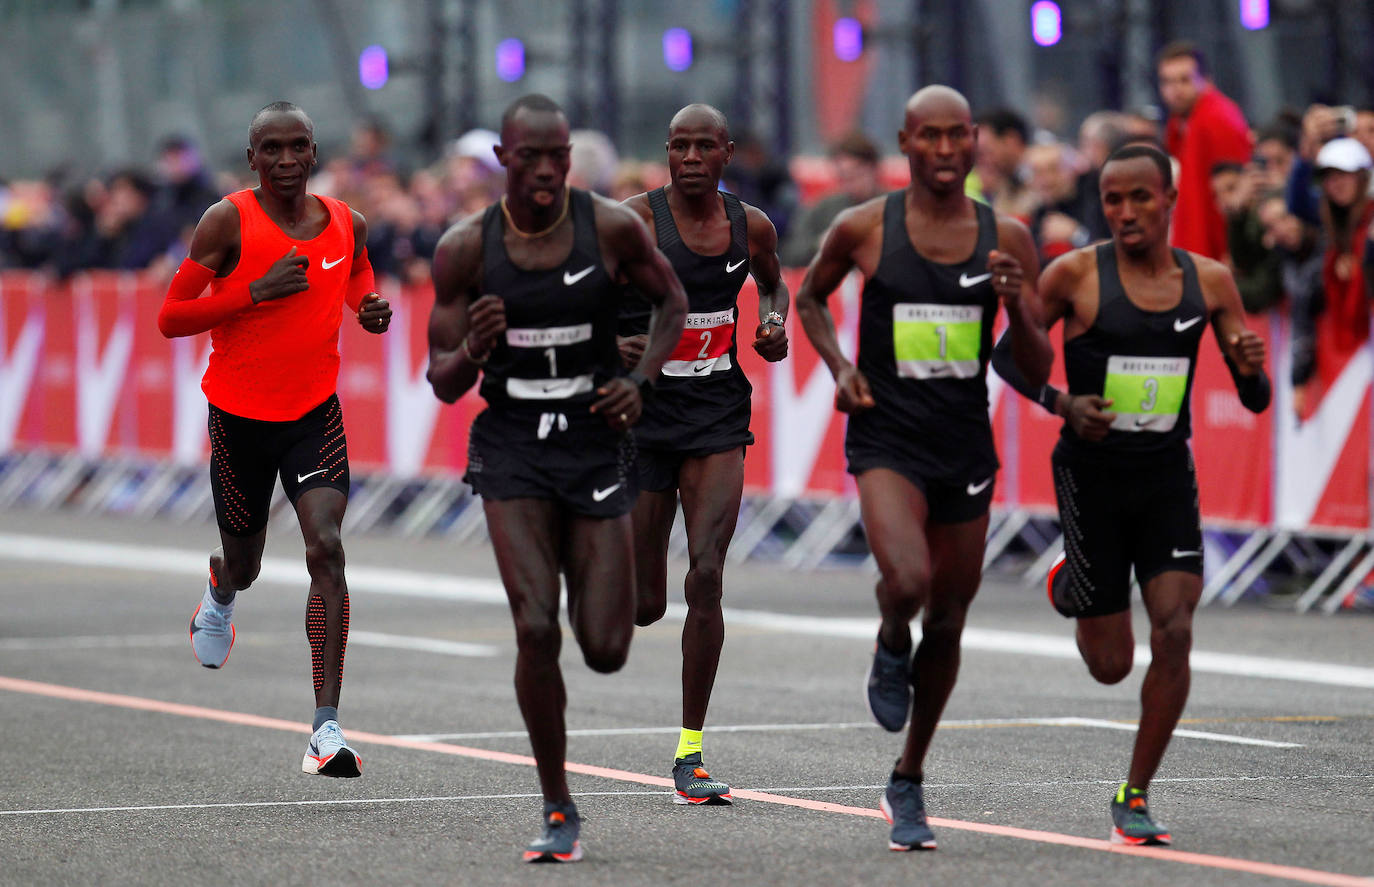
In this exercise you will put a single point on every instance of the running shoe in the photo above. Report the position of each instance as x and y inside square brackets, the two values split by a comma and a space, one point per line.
[212, 630]
[889, 688]
[1131, 822]
[559, 841]
[1058, 588]
[695, 785]
[329, 754]
[905, 809]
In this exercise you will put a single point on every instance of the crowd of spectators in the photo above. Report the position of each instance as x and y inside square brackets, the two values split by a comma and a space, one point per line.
[1286, 203]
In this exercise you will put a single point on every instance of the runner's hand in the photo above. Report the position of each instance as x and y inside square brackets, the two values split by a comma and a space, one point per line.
[486, 324]
[770, 341]
[1006, 276]
[1087, 416]
[1248, 352]
[631, 349]
[374, 314]
[620, 403]
[286, 277]
[852, 394]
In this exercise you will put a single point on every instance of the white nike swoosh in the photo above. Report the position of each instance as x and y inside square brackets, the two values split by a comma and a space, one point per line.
[975, 489]
[569, 279]
[326, 264]
[730, 269]
[1177, 553]
[1181, 325]
[966, 281]
[300, 478]
[598, 495]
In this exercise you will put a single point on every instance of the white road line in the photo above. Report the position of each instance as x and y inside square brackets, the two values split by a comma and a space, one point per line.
[856, 725]
[410, 583]
[796, 789]
[320, 803]
[359, 638]
[1190, 734]
[424, 645]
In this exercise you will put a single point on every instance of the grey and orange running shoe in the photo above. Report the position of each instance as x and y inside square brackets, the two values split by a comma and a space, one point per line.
[1131, 821]
[904, 807]
[694, 785]
[559, 841]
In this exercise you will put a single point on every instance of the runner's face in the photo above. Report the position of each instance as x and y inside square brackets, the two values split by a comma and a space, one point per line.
[535, 151]
[1136, 203]
[283, 152]
[939, 147]
[697, 154]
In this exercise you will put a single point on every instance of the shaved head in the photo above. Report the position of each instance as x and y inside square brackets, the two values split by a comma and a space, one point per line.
[699, 114]
[274, 109]
[937, 100]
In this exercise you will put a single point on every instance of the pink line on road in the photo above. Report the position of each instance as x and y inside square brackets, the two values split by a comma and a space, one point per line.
[1227, 863]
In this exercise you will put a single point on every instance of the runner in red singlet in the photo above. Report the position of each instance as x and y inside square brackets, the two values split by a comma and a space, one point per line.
[280, 264]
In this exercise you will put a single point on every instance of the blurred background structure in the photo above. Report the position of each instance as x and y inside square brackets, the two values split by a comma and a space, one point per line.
[103, 81]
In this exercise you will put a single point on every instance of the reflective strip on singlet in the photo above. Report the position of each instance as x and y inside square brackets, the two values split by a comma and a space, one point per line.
[937, 341]
[1146, 392]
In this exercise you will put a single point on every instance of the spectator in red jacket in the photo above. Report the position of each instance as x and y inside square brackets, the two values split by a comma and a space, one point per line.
[1205, 128]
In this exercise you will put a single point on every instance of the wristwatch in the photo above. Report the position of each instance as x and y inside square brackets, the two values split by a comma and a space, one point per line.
[773, 318]
[642, 382]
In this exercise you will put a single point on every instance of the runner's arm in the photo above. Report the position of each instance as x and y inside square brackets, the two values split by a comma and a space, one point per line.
[833, 261]
[373, 312]
[214, 252]
[770, 338]
[1242, 347]
[457, 269]
[1055, 291]
[1015, 261]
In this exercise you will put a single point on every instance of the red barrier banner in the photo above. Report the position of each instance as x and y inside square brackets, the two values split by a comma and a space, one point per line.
[83, 367]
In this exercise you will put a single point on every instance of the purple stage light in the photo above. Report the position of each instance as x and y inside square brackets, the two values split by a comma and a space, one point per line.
[510, 60]
[372, 67]
[848, 39]
[1047, 23]
[677, 49]
[1254, 14]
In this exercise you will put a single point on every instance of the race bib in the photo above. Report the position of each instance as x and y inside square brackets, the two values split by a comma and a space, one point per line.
[1146, 392]
[937, 341]
[704, 347]
[537, 375]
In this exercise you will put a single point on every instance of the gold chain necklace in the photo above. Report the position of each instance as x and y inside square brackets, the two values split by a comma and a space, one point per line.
[567, 196]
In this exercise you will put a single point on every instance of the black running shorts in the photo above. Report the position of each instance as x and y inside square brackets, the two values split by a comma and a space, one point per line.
[949, 502]
[573, 458]
[247, 455]
[1124, 514]
[659, 469]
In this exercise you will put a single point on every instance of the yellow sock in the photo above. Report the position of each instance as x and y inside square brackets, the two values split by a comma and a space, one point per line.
[688, 742]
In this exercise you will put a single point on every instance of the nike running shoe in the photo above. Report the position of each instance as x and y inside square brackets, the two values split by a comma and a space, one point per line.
[329, 754]
[1058, 587]
[559, 841]
[212, 630]
[889, 688]
[695, 785]
[905, 808]
[1131, 822]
